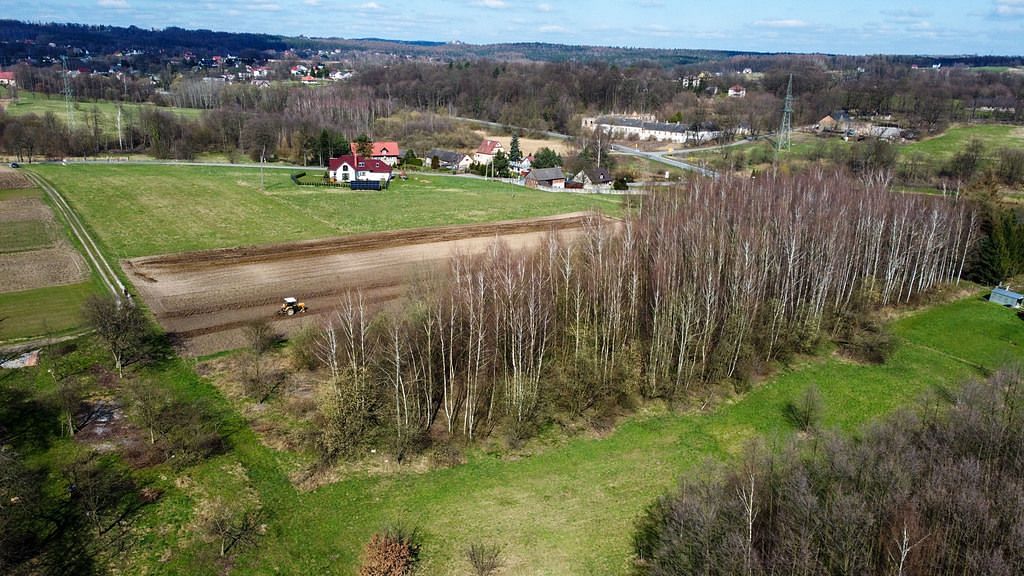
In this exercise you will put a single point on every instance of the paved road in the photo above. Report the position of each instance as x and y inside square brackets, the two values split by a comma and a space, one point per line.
[662, 158]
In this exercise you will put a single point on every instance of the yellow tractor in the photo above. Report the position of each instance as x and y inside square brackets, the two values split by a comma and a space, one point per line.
[291, 307]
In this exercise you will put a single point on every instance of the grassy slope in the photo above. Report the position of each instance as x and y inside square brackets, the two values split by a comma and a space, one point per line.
[40, 104]
[570, 508]
[144, 210]
[945, 145]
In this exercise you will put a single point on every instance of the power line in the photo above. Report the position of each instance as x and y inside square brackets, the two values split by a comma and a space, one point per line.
[785, 136]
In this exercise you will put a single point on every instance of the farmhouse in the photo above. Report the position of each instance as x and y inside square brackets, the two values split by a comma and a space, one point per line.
[350, 167]
[546, 178]
[594, 178]
[386, 152]
[645, 127]
[7, 79]
[486, 151]
[450, 160]
[838, 121]
[1006, 297]
[737, 91]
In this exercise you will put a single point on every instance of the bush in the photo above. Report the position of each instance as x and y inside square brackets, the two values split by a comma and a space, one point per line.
[806, 411]
[484, 558]
[392, 553]
[302, 351]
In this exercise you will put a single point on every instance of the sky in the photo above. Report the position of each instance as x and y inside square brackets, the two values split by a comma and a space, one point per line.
[943, 27]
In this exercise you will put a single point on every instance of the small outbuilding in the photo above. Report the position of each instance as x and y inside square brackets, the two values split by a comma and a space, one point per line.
[1004, 296]
[546, 178]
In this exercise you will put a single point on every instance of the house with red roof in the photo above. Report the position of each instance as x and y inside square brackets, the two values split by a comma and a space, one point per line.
[7, 79]
[737, 91]
[485, 152]
[352, 167]
[386, 152]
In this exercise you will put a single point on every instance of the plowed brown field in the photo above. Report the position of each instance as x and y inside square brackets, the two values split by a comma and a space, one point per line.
[205, 298]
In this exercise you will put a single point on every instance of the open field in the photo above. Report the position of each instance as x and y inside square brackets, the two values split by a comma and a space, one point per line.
[527, 145]
[141, 210]
[569, 507]
[40, 104]
[205, 297]
[945, 145]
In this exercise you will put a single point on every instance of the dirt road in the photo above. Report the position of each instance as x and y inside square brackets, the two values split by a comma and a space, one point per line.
[205, 298]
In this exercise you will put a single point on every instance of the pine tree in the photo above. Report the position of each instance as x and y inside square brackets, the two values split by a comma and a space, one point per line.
[515, 154]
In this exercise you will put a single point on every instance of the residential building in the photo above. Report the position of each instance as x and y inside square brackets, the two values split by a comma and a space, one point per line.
[449, 160]
[386, 152]
[594, 178]
[485, 152]
[351, 167]
[646, 128]
[7, 79]
[737, 91]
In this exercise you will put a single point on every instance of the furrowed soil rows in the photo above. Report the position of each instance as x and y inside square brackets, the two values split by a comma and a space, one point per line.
[205, 298]
[11, 180]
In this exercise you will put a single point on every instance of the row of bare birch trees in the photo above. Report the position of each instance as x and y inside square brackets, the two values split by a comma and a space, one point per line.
[702, 284]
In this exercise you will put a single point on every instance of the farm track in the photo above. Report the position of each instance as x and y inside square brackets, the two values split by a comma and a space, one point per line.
[93, 254]
[204, 299]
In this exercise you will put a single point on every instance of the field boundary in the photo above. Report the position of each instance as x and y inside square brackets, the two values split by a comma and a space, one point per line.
[92, 252]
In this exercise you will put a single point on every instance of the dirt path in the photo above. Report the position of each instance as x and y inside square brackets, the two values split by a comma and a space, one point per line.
[205, 298]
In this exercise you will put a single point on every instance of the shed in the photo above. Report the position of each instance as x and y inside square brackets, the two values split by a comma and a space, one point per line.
[546, 177]
[1006, 297]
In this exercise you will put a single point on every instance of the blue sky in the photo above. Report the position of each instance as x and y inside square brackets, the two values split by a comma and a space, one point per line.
[848, 27]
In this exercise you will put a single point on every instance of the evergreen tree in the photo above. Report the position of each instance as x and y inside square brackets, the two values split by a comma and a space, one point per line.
[515, 154]
[546, 158]
[364, 146]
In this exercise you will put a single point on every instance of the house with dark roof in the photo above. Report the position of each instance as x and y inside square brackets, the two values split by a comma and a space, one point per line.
[1006, 297]
[386, 152]
[450, 160]
[546, 178]
[838, 121]
[349, 168]
[594, 178]
[485, 152]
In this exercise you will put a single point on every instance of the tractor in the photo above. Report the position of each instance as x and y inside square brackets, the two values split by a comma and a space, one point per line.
[291, 307]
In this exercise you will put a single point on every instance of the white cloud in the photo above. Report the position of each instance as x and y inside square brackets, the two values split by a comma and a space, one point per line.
[265, 7]
[783, 23]
[370, 6]
[1008, 9]
[491, 3]
[119, 4]
[544, 7]
[311, 2]
[551, 29]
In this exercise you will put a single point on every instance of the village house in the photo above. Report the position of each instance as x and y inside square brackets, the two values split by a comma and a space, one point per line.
[386, 152]
[449, 160]
[839, 121]
[594, 178]
[546, 178]
[7, 79]
[737, 91]
[485, 152]
[350, 167]
[644, 127]
[522, 167]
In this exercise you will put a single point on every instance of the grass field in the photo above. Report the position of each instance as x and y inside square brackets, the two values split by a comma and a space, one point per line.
[570, 507]
[45, 311]
[138, 210]
[40, 104]
[945, 145]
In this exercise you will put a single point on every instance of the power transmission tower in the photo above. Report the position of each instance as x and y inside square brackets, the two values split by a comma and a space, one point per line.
[69, 94]
[785, 136]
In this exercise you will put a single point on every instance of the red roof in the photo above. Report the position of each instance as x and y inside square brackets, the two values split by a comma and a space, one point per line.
[380, 148]
[6, 75]
[737, 88]
[488, 147]
[365, 164]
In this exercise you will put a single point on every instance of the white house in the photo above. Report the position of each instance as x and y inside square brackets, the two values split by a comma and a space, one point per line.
[386, 152]
[485, 152]
[737, 91]
[449, 160]
[350, 167]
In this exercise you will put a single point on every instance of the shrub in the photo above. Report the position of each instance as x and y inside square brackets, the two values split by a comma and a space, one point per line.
[484, 558]
[391, 553]
[806, 411]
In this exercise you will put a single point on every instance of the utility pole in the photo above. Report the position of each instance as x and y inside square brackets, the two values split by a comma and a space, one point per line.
[263, 158]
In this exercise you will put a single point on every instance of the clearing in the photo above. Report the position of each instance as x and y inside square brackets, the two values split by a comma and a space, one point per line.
[945, 145]
[203, 298]
[143, 210]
